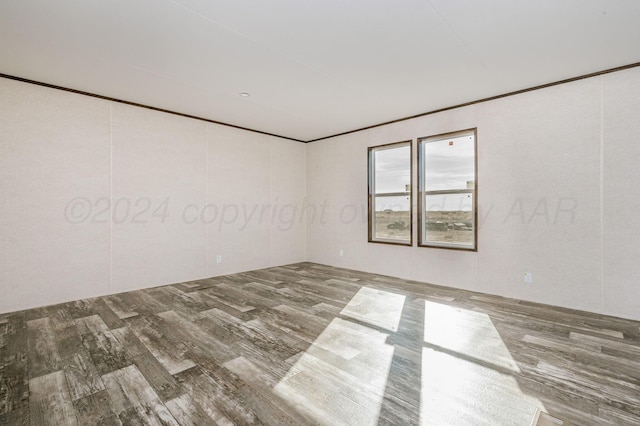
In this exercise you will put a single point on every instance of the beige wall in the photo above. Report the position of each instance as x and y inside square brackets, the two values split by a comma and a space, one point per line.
[99, 197]
[538, 154]
[158, 197]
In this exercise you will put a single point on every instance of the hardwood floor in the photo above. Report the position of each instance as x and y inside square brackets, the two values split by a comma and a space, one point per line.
[312, 344]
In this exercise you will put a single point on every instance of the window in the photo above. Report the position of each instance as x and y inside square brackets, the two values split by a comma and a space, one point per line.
[448, 187]
[390, 193]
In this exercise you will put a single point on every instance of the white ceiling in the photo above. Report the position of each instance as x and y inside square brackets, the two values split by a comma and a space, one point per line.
[314, 68]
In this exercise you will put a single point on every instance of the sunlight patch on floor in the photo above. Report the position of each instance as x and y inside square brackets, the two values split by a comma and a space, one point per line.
[467, 372]
[376, 307]
[469, 333]
[459, 392]
[341, 378]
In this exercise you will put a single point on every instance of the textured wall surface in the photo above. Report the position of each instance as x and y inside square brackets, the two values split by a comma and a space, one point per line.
[99, 197]
[557, 172]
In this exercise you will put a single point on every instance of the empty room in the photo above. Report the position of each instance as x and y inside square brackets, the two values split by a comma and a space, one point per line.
[418, 212]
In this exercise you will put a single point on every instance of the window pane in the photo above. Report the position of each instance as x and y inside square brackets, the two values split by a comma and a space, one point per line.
[392, 218]
[393, 169]
[390, 211]
[449, 219]
[448, 190]
[449, 163]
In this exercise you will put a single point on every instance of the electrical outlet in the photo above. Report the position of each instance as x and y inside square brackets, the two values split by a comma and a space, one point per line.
[528, 277]
[341, 252]
[218, 259]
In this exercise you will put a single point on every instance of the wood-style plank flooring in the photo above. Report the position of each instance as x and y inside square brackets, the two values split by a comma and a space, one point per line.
[311, 344]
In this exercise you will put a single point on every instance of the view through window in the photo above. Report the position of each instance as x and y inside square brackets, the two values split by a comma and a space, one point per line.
[447, 193]
[390, 193]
